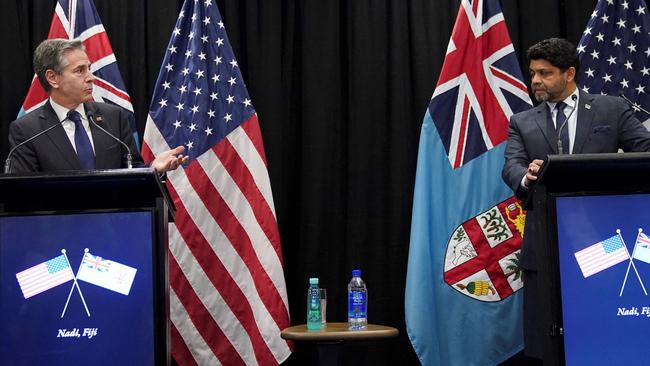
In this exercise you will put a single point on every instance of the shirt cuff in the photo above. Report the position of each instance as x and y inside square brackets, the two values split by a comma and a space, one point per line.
[523, 184]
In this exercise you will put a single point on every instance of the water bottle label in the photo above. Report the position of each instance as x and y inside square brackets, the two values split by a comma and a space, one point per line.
[314, 303]
[357, 304]
[313, 309]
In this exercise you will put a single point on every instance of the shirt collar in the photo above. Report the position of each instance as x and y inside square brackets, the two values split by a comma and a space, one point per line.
[62, 112]
[568, 101]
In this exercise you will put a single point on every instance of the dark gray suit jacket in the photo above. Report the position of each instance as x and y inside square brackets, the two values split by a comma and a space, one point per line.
[604, 125]
[53, 150]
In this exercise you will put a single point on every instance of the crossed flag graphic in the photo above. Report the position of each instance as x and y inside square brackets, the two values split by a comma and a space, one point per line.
[611, 251]
[93, 269]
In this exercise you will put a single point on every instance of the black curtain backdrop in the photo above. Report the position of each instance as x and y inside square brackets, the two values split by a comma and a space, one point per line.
[341, 88]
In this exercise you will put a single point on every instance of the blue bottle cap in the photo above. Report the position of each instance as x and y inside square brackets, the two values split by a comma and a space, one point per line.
[313, 281]
[356, 273]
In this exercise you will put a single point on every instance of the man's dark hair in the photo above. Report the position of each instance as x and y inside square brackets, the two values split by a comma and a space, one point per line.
[557, 51]
[50, 55]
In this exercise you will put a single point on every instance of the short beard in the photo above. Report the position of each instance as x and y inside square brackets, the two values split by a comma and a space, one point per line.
[542, 97]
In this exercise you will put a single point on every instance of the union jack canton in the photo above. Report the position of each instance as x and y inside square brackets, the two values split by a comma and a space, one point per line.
[78, 19]
[480, 84]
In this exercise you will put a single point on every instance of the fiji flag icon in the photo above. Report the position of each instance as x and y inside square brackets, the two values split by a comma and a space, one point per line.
[642, 248]
[106, 273]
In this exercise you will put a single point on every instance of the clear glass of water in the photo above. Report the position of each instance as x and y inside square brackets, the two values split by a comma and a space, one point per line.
[323, 304]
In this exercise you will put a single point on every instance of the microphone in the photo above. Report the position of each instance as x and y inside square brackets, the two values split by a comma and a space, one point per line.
[559, 132]
[91, 118]
[634, 105]
[8, 160]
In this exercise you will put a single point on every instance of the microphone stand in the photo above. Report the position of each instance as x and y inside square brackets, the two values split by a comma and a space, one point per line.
[559, 132]
[7, 168]
[129, 157]
[634, 105]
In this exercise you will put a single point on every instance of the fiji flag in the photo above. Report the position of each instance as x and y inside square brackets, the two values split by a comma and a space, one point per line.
[78, 19]
[642, 248]
[106, 273]
[462, 304]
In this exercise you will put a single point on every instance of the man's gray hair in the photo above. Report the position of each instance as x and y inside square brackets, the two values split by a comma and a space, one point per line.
[49, 55]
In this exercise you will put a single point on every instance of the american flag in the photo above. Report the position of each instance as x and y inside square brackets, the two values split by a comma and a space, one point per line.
[44, 276]
[78, 19]
[602, 255]
[480, 82]
[228, 294]
[614, 53]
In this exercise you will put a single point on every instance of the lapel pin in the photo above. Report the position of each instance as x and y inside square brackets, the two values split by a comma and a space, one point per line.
[588, 106]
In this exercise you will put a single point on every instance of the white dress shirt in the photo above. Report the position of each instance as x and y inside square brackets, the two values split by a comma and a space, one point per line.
[572, 122]
[68, 125]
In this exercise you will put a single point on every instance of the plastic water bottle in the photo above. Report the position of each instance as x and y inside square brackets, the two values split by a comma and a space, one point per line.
[357, 302]
[313, 306]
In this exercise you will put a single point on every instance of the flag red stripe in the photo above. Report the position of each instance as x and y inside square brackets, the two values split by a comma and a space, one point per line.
[57, 30]
[147, 154]
[509, 79]
[98, 46]
[246, 183]
[252, 128]
[219, 275]
[239, 238]
[201, 318]
[461, 134]
[112, 89]
[475, 8]
[180, 352]
[35, 95]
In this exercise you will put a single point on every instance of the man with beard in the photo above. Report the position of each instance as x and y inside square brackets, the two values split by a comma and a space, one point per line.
[567, 121]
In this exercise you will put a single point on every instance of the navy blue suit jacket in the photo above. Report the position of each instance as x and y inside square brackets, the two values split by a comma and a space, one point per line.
[53, 150]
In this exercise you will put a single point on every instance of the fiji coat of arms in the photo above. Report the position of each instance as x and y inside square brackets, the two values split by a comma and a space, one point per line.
[482, 258]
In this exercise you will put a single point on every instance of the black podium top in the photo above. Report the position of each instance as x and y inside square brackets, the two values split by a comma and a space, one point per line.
[83, 190]
[595, 172]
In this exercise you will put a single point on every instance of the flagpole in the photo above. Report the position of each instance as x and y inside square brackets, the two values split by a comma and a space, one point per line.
[634, 266]
[75, 284]
[72, 18]
[629, 264]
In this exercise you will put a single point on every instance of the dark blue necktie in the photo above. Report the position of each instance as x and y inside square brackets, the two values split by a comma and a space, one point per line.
[560, 119]
[82, 142]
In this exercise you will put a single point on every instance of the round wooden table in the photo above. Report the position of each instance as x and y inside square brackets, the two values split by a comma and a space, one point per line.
[330, 337]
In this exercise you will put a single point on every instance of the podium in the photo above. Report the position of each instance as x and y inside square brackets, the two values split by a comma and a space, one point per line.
[591, 213]
[83, 268]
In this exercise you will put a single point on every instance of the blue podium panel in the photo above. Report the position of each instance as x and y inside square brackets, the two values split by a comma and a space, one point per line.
[77, 288]
[604, 258]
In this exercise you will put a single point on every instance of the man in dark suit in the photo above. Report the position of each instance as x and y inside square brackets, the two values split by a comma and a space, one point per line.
[77, 141]
[566, 121]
